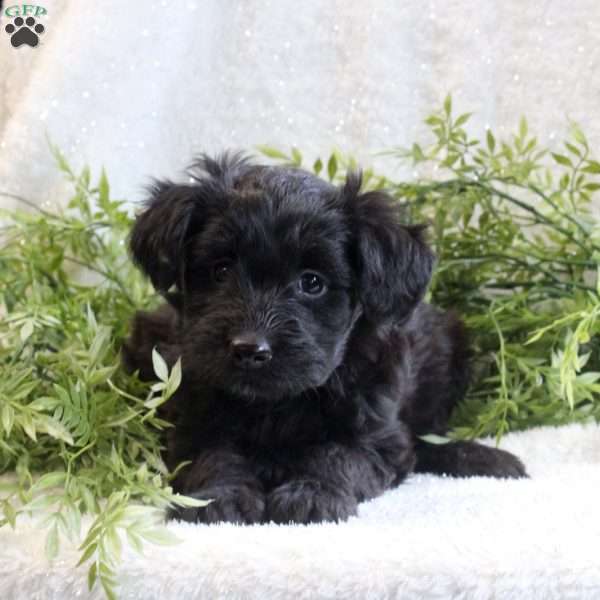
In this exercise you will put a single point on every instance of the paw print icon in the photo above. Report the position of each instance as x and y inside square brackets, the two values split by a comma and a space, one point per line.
[24, 31]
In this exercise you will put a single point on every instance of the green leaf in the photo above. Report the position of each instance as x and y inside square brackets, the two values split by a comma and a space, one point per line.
[135, 541]
[578, 135]
[93, 534]
[108, 587]
[160, 536]
[332, 167]
[434, 121]
[92, 576]
[432, 438]
[44, 501]
[591, 187]
[113, 542]
[160, 366]
[10, 513]
[52, 543]
[24, 390]
[155, 401]
[448, 105]
[450, 160]
[562, 160]
[318, 166]
[102, 374]
[63, 395]
[417, 153]
[8, 418]
[573, 149]
[523, 128]
[88, 499]
[28, 427]
[592, 166]
[49, 480]
[100, 345]
[462, 119]
[91, 317]
[272, 152]
[26, 331]
[588, 378]
[73, 520]
[103, 191]
[59, 157]
[85, 176]
[188, 501]
[174, 378]
[296, 157]
[54, 428]
[491, 142]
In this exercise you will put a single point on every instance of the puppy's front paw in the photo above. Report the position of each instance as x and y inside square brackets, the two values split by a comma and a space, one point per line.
[235, 504]
[308, 501]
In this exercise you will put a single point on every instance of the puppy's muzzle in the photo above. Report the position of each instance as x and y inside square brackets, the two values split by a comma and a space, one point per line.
[250, 351]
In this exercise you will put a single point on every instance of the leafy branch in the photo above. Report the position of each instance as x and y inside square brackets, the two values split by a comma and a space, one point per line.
[81, 437]
[518, 257]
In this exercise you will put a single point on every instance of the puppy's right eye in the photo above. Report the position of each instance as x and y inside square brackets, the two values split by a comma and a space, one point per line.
[221, 271]
[311, 284]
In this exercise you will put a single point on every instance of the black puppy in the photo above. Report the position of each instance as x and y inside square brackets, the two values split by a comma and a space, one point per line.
[310, 363]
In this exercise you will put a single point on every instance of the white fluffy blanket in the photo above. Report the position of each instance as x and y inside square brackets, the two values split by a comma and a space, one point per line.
[432, 537]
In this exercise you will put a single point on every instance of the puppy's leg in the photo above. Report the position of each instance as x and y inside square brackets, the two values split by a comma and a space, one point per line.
[224, 476]
[467, 459]
[329, 481]
[442, 381]
[309, 500]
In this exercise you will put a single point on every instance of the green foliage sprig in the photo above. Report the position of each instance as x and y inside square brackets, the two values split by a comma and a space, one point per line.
[518, 248]
[81, 437]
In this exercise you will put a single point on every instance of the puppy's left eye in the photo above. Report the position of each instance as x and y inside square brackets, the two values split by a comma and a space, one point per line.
[311, 284]
[220, 271]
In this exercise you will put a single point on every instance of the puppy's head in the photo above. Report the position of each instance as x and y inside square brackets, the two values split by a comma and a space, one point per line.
[270, 268]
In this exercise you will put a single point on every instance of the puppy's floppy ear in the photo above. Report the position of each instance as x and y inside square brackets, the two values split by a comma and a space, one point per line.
[159, 233]
[174, 212]
[393, 261]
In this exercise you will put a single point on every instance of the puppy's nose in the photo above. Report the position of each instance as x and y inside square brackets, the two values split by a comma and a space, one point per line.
[250, 350]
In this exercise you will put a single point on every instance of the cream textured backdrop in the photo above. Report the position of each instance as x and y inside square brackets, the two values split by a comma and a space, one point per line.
[140, 86]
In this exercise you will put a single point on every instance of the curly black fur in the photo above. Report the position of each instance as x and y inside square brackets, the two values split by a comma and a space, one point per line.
[325, 409]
